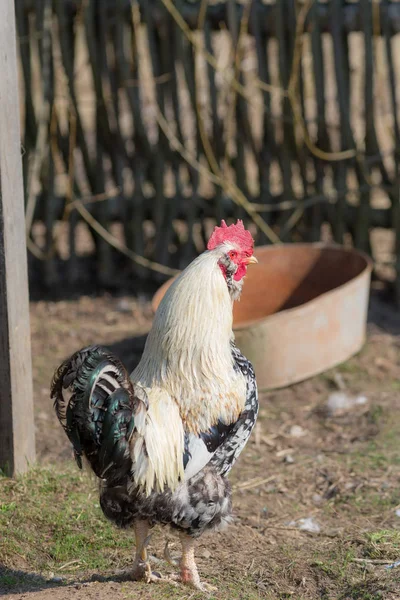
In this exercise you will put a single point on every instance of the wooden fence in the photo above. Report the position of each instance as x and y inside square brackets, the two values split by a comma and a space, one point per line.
[145, 121]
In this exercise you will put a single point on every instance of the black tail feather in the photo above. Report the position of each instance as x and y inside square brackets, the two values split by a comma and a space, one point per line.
[94, 401]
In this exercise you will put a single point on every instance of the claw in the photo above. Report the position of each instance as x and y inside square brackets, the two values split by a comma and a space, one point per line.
[167, 555]
[142, 572]
[157, 578]
[151, 576]
[196, 585]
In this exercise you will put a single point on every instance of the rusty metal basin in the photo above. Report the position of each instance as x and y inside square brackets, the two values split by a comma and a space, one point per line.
[303, 310]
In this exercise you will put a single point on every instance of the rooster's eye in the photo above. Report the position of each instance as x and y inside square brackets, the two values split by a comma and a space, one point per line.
[232, 254]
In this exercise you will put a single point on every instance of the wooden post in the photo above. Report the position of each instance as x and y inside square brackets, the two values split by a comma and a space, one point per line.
[17, 440]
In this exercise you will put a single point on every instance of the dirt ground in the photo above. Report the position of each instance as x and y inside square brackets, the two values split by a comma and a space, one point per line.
[315, 493]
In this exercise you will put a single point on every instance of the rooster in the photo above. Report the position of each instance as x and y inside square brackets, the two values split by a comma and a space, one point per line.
[163, 440]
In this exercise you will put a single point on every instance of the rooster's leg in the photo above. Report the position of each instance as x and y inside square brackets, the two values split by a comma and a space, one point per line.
[141, 567]
[189, 572]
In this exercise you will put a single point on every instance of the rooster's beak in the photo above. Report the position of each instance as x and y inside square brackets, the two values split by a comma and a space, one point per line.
[252, 260]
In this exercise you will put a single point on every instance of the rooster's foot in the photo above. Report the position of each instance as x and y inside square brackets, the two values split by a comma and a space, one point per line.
[141, 571]
[155, 577]
[191, 578]
[201, 586]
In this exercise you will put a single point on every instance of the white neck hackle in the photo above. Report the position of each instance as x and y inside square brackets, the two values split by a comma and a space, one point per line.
[188, 351]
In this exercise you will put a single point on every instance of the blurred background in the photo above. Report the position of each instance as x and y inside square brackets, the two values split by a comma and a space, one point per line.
[144, 123]
[147, 121]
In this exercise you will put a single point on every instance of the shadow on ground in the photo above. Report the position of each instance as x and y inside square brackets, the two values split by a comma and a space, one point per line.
[15, 581]
[18, 582]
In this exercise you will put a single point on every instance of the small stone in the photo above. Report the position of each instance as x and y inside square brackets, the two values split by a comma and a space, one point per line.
[307, 524]
[288, 459]
[397, 512]
[206, 554]
[297, 431]
[361, 400]
[340, 402]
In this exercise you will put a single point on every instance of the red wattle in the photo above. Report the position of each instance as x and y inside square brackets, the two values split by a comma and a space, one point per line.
[240, 273]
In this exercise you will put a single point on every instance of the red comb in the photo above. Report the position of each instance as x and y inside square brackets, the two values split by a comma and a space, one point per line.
[234, 233]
